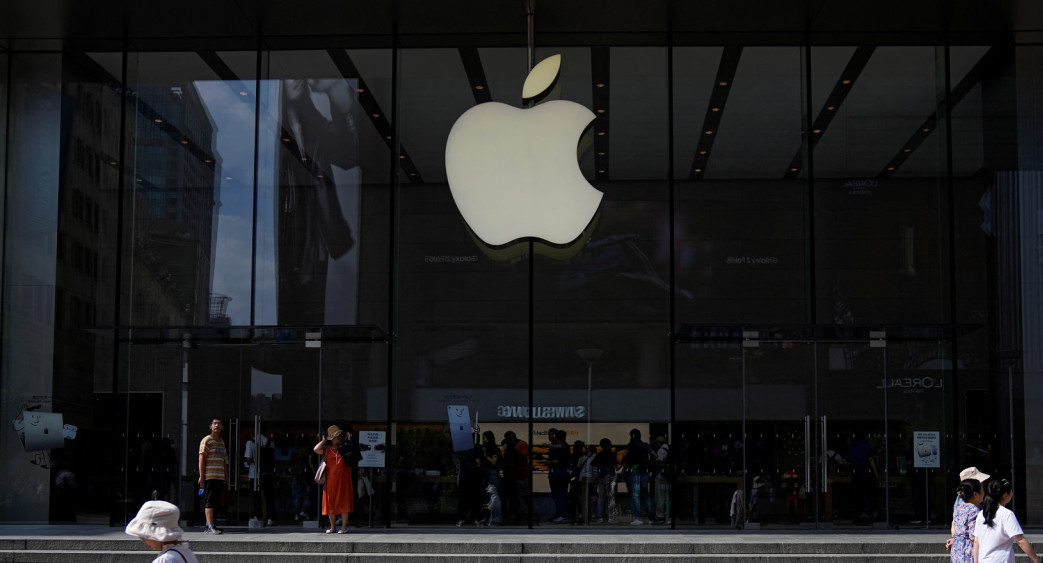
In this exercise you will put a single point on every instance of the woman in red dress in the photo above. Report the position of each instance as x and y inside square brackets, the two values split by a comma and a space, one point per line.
[338, 493]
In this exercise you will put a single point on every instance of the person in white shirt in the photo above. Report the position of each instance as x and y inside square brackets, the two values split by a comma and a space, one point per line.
[996, 529]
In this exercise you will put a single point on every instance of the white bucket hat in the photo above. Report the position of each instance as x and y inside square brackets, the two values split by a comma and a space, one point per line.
[157, 520]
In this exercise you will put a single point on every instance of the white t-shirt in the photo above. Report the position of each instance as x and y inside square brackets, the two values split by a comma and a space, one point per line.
[252, 452]
[176, 554]
[994, 543]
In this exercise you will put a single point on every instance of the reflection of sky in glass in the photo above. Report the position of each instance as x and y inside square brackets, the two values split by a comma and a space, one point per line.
[233, 115]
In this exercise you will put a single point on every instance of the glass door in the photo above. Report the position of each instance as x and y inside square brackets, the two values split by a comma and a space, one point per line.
[266, 389]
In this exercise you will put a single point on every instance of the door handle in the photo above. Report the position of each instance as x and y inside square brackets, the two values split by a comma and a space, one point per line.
[825, 458]
[807, 452]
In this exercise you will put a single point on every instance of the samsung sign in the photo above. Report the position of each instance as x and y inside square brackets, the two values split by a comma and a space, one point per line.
[557, 413]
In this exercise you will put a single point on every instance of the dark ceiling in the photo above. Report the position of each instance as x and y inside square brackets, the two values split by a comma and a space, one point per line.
[57, 24]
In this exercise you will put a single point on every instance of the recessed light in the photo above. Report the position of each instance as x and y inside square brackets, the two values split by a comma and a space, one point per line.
[793, 169]
[320, 176]
[715, 109]
[412, 174]
[601, 111]
[375, 114]
[846, 81]
[891, 168]
[702, 152]
[601, 133]
[402, 156]
[361, 90]
[601, 153]
[388, 137]
[722, 83]
[601, 171]
[140, 180]
[228, 177]
[600, 84]
[242, 92]
[304, 159]
[926, 129]
[816, 131]
[158, 120]
[208, 161]
[830, 108]
[697, 170]
[112, 162]
[479, 87]
[907, 150]
[709, 132]
[184, 141]
[286, 139]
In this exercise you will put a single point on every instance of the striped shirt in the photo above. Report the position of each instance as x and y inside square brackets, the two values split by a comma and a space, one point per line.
[214, 457]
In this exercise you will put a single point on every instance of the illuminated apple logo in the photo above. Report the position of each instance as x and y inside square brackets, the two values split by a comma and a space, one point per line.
[513, 172]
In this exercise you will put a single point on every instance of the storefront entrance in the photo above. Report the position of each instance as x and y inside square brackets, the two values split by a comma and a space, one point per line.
[813, 430]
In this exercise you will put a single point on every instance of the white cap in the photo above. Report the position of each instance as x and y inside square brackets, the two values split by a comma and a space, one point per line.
[157, 520]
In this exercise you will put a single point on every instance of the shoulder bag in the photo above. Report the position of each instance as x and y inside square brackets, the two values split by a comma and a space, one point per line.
[320, 473]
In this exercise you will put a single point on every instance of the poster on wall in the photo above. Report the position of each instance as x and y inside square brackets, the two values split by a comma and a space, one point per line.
[926, 448]
[371, 442]
[460, 427]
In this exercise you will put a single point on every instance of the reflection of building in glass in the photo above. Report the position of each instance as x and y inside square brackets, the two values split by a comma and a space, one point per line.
[176, 197]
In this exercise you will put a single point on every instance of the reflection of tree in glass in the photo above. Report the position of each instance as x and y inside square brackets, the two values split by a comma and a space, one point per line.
[311, 225]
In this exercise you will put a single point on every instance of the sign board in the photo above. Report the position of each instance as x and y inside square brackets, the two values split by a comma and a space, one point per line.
[926, 448]
[372, 443]
[460, 427]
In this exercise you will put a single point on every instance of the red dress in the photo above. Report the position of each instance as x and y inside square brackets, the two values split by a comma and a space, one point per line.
[338, 494]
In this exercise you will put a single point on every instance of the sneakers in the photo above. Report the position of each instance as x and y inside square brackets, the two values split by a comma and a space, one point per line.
[211, 529]
[636, 522]
[559, 520]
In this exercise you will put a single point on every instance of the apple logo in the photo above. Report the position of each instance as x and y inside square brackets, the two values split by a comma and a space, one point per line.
[513, 172]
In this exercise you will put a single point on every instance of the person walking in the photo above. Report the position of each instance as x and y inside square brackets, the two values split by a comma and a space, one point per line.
[156, 524]
[996, 529]
[961, 545]
[213, 472]
[338, 494]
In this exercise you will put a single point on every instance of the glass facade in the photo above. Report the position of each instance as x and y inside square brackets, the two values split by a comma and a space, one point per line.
[814, 272]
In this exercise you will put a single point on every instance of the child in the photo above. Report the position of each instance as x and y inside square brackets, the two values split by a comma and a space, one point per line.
[156, 525]
[492, 508]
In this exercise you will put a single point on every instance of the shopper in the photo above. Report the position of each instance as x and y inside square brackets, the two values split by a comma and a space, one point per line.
[157, 525]
[997, 529]
[637, 460]
[338, 493]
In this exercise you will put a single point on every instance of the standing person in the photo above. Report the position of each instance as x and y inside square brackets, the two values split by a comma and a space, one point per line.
[604, 469]
[637, 460]
[469, 485]
[558, 474]
[338, 494]
[515, 483]
[662, 480]
[579, 481]
[492, 459]
[963, 518]
[260, 475]
[996, 529]
[156, 526]
[213, 472]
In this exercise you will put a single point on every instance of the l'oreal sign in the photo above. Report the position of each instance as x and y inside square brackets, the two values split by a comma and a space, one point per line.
[912, 384]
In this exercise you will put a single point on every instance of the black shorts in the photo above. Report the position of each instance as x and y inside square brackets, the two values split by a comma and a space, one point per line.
[212, 489]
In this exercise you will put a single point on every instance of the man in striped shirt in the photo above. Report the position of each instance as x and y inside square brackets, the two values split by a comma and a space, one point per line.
[213, 472]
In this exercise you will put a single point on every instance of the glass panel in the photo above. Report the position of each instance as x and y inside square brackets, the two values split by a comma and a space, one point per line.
[710, 413]
[739, 209]
[879, 162]
[323, 158]
[779, 395]
[29, 343]
[855, 453]
[189, 190]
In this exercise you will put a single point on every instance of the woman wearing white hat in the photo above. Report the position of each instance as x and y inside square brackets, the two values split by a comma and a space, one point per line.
[156, 525]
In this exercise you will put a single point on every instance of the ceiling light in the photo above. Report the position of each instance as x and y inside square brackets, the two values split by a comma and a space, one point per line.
[926, 129]
[722, 83]
[697, 170]
[793, 169]
[830, 108]
[242, 92]
[361, 90]
[208, 161]
[402, 156]
[158, 120]
[320, 176]
[601, 111]
[817, 131]
[846, 81]
[715, 109]
[702, 152]
[228, 177]
[184, 141]
[601, 171]
[112, 162]
[601, 153]
[600, 84]
[388, 137]
[907, 150]
[479, 87]
[890, 168]
[375, 115]
[601, 133]
[709, 132]
[140, 180]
